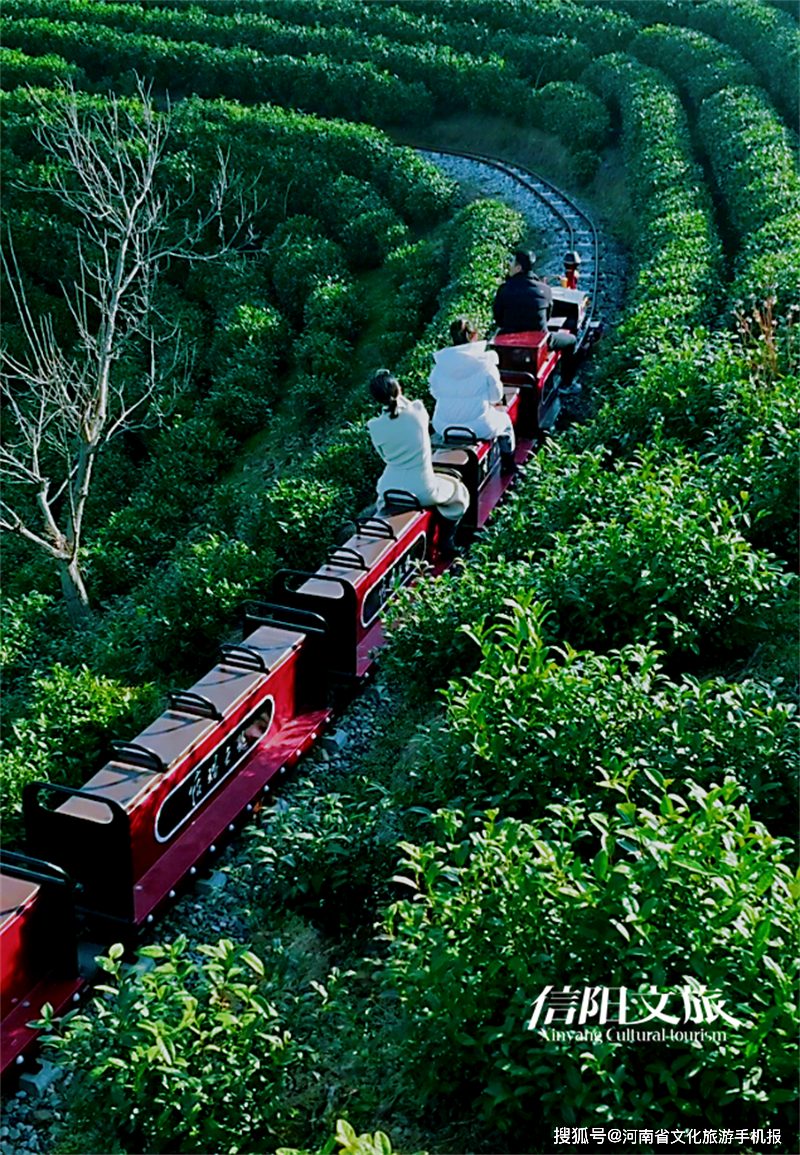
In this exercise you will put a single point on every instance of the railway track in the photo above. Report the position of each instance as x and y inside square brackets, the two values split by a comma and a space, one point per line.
[574, 230]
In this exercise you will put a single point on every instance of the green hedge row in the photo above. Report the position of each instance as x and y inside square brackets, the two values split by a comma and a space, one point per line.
[17, 68]
[679, 891]
[649, 551]
[769, 40]
[416, 21]
[677, 251]
[755, 166]
[356, 91]
[761, 34]
[698, 64]
[455, 80]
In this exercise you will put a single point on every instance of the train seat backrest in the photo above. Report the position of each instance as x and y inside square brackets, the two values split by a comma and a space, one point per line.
[571, 305]
[21, 966]
[522, 351]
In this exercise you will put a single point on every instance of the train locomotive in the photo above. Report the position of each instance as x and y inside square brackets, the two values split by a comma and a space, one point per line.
[103, 860]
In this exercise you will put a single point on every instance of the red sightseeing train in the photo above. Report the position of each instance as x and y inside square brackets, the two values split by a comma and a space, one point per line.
[118, 849]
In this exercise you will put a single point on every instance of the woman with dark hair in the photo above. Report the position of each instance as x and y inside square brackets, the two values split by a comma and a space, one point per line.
[466, 385]
[400, 435]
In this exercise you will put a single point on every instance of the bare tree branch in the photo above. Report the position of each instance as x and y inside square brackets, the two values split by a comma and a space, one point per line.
[64, 406]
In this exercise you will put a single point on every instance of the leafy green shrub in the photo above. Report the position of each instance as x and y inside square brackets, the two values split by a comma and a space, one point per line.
[763, 37]
[65, 731]
[20, 627]
[351, 463]
[682, 891]
[300, 258]
[428, 641]
[647, 551]
[185, 459]
[330, 854]
[336, 306]
[16, 68]
[664, 561]
[370, 236]
[677, 250]
[415, 272]
[175, 620]
[192, 1055]
[752, 156]
[250, 325]
[573, 113]
[675, 394]
[350, 1143]
[660, 534]
[296, 519]
[699, 64]
[535, 723]
[766, 468]
[479, 238]
[235, 408]
[321, 355]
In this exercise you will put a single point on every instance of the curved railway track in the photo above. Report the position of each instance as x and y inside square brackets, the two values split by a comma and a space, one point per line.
[576, 230]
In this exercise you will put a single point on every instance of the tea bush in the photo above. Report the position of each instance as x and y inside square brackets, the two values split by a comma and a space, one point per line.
[683, 892]
[677, 393]
[350, 1143]
[62, 734]
[329, 853]
[193, 1055]
[677, 250]
[300, 257]
[296, 519]
[428, 641]
[17, 68]
[646, 551]
[185, 459]
[698, 64]
[536, 723]
[174, 621]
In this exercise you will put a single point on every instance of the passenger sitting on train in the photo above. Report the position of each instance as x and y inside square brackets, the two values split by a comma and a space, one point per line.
[572, 271]
[400, 435]
[523, 303]
[465, 384]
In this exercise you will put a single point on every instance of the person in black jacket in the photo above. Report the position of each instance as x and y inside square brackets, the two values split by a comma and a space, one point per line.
[523, 303]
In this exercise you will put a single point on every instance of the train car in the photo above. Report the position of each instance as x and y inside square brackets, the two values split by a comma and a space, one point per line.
[531, 361]
[142, 823]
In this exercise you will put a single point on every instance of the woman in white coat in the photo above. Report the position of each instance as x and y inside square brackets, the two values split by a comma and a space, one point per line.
[466, 386]
[400, 435]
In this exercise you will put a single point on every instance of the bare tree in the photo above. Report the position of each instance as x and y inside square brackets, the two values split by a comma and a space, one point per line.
[65, 405]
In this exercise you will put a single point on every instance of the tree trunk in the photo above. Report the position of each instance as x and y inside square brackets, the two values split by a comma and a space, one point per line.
[74, 591]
